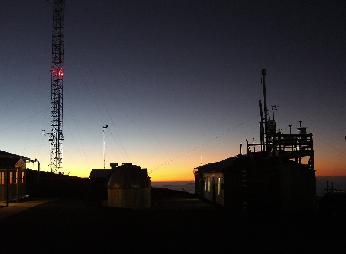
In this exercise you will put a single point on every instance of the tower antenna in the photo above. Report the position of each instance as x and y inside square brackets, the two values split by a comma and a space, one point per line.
[57, 85]
[263, 82]
[261, 125]
[104, 144]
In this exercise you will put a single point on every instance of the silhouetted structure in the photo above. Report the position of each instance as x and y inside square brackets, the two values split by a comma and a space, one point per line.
[12, 176]
[17, 181]
[276, 174]
[126, 185]
[57, 86]
[257, 182]
[98, 182]
[129, 187]
[53, 185]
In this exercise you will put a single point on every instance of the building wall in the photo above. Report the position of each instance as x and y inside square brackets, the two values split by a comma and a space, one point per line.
[260, 185]
[298, 188]
[129, 187]
[50, 185]
[16, 179]
[211, 187]
[135, 198]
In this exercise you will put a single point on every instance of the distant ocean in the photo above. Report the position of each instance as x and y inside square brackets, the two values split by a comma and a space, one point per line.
[188, 186]
[321, 183]
[339, 183]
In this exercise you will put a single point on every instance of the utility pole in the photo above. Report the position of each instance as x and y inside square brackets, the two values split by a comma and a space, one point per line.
[104, 145]
[57, 84]
[274, 107]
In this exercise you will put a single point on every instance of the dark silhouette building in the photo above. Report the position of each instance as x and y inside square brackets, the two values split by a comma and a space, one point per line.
[257, 182]
[98, 182]
[129, 187]
[276, 174]
[54, 185]
[12, 176]
[17, 181]
[126, 186]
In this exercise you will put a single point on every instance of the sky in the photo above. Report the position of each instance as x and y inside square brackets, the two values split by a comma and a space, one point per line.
[178, 82]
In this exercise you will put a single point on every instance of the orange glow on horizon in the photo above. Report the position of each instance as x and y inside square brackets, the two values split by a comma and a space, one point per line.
[180, 166]
[329, 168]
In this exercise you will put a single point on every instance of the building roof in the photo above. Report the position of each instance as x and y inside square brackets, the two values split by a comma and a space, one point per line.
[100, 173]
[4, 154]
[217, 165]
[128, 176]
[256, 157]
[9, 160]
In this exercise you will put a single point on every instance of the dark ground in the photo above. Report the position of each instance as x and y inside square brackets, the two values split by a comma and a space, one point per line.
[177, 222]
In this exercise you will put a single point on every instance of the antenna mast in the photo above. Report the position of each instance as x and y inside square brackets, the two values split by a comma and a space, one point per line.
[104, 144]
[57, 81]
[263, 81]
[264, 73]
[261, 125]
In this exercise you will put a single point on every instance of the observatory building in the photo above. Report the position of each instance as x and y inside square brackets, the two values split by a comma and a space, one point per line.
[275, 175]
[126, 186]
[129, 187]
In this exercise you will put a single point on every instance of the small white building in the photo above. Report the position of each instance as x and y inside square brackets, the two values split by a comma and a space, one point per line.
[129, 186]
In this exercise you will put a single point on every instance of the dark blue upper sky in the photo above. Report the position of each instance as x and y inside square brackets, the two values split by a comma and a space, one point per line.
[177, 81]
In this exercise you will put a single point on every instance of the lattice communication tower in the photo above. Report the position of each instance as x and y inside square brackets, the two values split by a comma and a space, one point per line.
[57, 86]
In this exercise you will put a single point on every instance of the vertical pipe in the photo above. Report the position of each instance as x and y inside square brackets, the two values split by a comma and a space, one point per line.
[38, 171]
[264, 72]
[104, 149]
[261, 125]
[247, 147]
[290, 125]
[263, 79]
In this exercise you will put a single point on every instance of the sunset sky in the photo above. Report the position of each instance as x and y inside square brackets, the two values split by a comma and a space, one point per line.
[178, 82]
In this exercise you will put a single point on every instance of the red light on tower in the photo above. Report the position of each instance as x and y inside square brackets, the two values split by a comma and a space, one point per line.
[58, 73]
[61, 73]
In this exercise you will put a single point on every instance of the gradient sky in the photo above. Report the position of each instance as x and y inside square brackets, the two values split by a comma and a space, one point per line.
[178, 82]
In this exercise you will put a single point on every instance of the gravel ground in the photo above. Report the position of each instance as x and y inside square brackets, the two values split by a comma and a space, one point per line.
[177, 222]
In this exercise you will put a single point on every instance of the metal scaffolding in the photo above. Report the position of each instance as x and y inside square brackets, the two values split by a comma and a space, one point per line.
[298, 147]
[57, 80]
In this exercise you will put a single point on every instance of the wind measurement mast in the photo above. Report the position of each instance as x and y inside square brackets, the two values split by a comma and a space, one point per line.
[57, 86]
